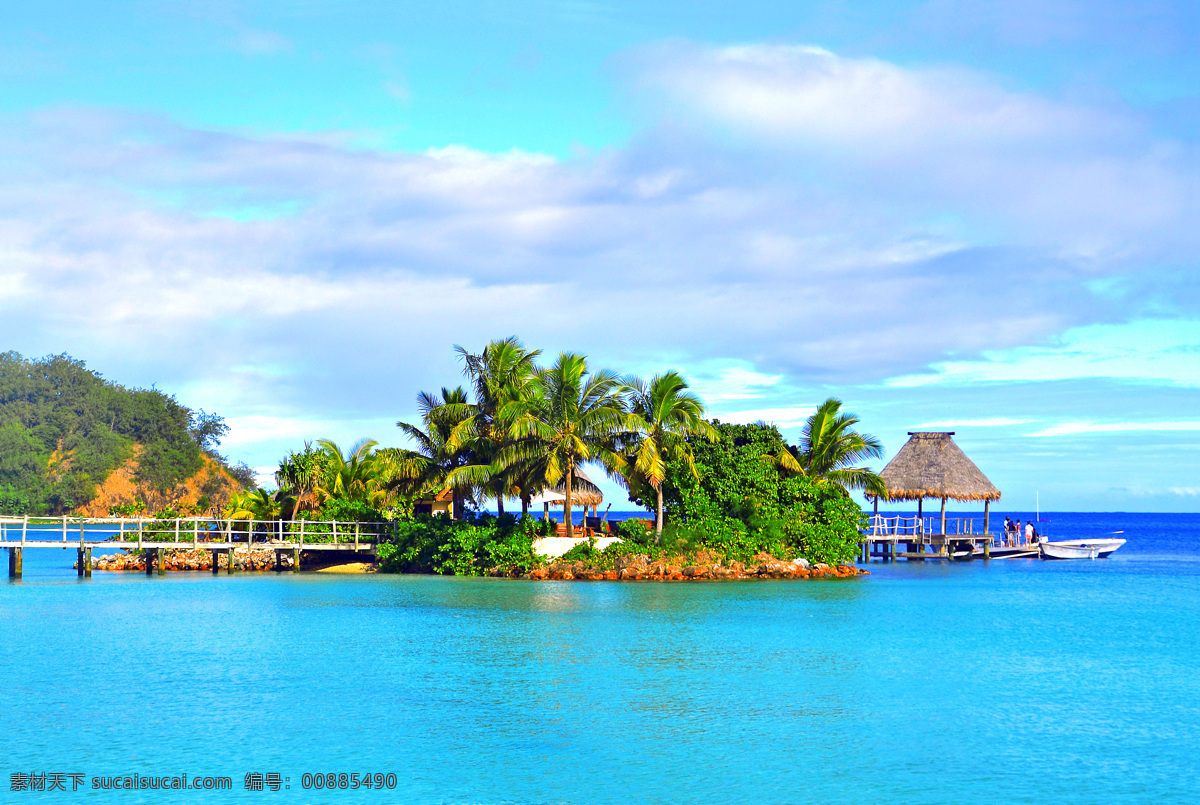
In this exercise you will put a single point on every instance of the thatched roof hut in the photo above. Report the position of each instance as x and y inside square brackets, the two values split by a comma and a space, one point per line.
[931, 465]
[583, 491]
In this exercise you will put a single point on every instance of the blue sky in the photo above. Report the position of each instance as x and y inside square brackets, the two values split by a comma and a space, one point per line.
[975, 216]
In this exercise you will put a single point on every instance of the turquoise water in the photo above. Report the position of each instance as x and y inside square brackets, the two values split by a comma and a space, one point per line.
[1012, 681]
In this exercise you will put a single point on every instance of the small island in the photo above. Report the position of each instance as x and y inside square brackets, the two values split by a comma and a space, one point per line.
[724, 501]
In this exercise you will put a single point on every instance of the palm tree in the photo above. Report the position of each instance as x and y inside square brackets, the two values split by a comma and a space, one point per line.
[572, 418]
[300, 475]
[665, 416]
[428, 469]
[502, 373]
[348, 475]
[829, 446]
[257, 505]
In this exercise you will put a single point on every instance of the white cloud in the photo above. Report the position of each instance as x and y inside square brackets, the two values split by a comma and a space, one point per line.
[1079, 428]
[991, 422]
[1150, 350]
[734, 383]
[850, 104]
[262, 428]
[784, 418]
[1093, 182]
[262, 43]
[869, 221]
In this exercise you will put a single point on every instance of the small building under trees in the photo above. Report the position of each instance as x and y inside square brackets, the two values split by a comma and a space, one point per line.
[442, 503]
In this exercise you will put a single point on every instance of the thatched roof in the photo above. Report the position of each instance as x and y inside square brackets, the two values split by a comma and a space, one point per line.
[583, 491]
[931, 465]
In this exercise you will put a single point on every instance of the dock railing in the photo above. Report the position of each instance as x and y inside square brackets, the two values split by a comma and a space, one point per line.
[135, 531]
[884, 527]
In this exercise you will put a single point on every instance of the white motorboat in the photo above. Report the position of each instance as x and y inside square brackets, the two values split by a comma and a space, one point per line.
[1080, 548]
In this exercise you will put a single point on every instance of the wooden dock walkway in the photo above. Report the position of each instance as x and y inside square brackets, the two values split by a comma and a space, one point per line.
[156, 536]
[926, 538]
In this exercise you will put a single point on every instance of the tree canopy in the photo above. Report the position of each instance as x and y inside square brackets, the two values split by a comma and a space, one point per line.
[740, 501]
[64, 429]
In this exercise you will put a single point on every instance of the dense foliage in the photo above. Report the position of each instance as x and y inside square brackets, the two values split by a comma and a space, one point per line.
[327, 483]
[468, 547]
[743, 502]
[64, 429]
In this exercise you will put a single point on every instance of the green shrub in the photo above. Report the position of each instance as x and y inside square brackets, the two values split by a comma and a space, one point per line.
[467, 547]
[583, 552]
[635, 530]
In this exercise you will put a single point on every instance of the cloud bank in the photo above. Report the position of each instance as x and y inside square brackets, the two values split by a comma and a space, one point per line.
[805, 217]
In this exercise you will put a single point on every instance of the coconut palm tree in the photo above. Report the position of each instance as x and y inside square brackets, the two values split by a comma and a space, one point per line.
[830, 446]
[348, 475]
[428, 469]
[502, 373]
[572, 418]
[664, 416]
[256, 505]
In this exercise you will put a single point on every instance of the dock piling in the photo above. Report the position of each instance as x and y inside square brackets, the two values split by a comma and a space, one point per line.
[15, 562]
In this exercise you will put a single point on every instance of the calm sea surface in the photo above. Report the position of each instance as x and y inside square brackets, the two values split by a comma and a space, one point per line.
[1013, 681]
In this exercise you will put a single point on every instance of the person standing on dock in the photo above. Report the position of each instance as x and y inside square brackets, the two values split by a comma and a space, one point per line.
[1029, 533]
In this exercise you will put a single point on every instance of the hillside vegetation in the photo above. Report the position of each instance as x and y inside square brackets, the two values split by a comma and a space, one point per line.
[64, 430]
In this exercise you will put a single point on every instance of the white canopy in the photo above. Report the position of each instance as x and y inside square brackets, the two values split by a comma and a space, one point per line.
[548, 496]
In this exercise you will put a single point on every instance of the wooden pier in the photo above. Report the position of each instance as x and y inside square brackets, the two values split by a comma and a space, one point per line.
[156, 536]
[922, 538]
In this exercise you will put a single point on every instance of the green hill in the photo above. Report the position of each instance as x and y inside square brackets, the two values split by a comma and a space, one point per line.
[64, 429]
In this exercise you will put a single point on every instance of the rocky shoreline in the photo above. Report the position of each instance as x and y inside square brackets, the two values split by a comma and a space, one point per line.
[191, 559]
[700, 567]
[631, 567]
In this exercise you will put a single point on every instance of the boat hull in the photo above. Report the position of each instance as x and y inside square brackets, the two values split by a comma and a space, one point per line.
[1080, 548]
[1052, 550]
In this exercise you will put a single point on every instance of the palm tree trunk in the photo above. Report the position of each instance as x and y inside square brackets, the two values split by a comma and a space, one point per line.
[567, 506]
[500, 505]
[457, 504]
[658, 516]
[524, 504]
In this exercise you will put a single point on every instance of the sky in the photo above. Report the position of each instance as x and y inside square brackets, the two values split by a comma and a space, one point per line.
[952, 215]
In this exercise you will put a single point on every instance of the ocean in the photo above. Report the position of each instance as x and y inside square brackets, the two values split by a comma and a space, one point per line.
[1007, 681]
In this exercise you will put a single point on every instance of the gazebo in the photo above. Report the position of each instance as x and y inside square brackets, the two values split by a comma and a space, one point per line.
[584, 492]
[931, 465]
